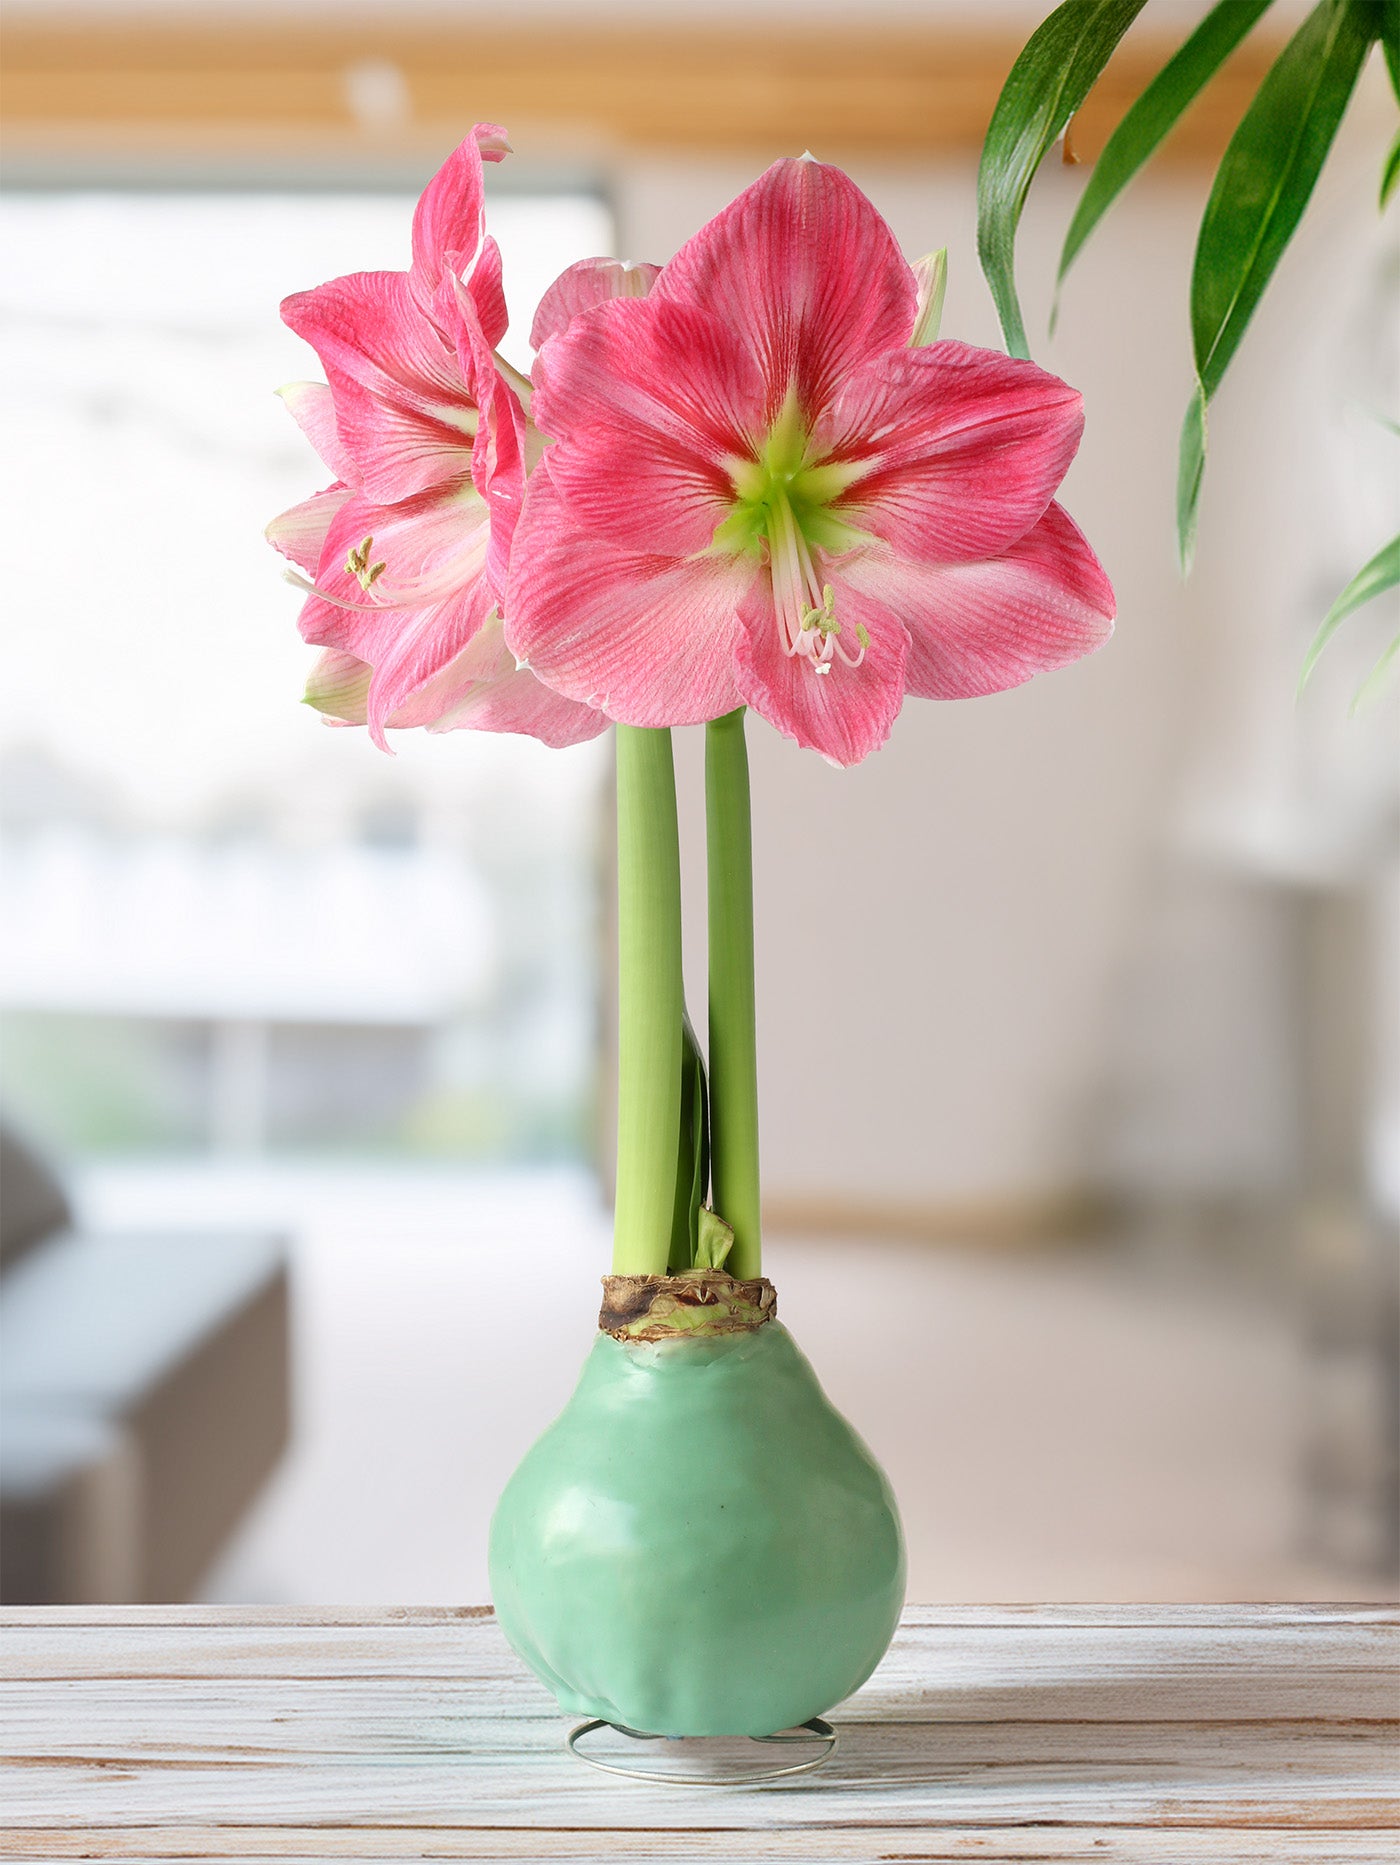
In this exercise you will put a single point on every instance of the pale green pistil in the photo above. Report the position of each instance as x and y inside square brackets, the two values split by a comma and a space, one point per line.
[784, 507]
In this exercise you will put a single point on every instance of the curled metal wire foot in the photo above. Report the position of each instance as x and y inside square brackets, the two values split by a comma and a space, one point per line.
[816, 1729]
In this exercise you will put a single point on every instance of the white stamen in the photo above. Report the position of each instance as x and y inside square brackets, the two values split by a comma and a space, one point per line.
[806, 607]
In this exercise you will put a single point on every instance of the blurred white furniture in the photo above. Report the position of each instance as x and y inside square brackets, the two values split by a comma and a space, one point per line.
[144, 1395]
[1130, 1733]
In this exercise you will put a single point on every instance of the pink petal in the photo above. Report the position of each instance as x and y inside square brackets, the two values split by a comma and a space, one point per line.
[844, 714]
[300, 532]
[647, 402]
[645, 639]
[481, 690]
[312, 407]
[807, 272]
[488, 294]
[404, 415]
[338, 686]
[433, 550]
[982, 627]
[961, 448]
[484, 691]
[421, 647]
[580, 287]
[449, 227]
[498, 450]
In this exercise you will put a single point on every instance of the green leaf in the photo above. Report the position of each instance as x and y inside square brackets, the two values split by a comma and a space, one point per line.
[1177, 84]
[1390, 171]
[1191, 465]
[1388, 32]
[692, 1155]
[1264, 181]
[1053, 75]
[1376, 679]
[1267, 175]
[713, 1241]
[1371, 580]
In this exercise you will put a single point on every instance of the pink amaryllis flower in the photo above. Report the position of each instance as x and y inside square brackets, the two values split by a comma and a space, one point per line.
[405, 554]
[763, 487]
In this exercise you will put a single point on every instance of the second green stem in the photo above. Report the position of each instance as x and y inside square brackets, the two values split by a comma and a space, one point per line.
[733, 1041]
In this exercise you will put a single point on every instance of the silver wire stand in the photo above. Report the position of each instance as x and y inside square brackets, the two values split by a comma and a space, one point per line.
[815, 1729]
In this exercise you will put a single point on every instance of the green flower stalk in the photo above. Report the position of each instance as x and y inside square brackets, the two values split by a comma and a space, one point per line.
[733, 1044]
[651, 1005]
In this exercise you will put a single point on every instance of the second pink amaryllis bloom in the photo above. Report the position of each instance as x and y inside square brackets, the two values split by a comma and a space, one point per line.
[405, 555]
[762, 488]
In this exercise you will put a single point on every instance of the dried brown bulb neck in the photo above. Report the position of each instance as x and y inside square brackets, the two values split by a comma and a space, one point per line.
[695, 1303]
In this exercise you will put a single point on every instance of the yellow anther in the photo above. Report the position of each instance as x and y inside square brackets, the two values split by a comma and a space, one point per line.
[358, 565]
[823, 618]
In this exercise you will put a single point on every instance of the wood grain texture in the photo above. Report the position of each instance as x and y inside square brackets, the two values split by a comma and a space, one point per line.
[869, 88]
[997, 1733]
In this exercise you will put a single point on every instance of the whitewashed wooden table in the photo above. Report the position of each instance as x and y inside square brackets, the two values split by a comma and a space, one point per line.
[1170, 1734]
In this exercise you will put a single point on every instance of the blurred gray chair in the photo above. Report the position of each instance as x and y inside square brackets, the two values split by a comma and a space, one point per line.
[144, 1395]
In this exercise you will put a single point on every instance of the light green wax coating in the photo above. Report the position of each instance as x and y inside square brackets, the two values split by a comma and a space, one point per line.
[699, 1544]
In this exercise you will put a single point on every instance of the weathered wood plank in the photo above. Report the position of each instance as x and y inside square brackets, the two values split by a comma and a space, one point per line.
[265, 79]
[1027, 1845]
[1237, 1668]
[381, 1770]
[1015, 1612]
[179, 1721]
[993, 1733]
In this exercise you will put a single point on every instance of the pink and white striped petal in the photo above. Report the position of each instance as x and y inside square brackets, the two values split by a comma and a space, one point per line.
[583, 285]
[485, 284]
[417, 651]
[380, 563]
[845, 712]
[806, 273]
[648, 404]
[644, 638]
[312, 406]
[300, 532]
[404, 414]
[449, 229]
[980, 628]
[498, 447]
[481, 690]
[484, 690]
[959, 450]
[338, 687]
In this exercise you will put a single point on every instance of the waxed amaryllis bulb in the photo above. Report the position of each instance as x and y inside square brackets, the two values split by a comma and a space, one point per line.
[699, 1545]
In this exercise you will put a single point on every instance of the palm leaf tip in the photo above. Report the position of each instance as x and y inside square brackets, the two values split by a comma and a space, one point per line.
[1054, 73]
[1155, 113]
[1381, 573]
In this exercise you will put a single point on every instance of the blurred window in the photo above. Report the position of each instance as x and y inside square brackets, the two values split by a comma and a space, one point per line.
[224, 924]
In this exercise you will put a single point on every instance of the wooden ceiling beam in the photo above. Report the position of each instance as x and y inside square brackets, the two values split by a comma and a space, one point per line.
[260, 87]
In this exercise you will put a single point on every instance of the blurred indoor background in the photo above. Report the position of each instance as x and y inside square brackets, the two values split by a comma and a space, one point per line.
[313, 1042]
